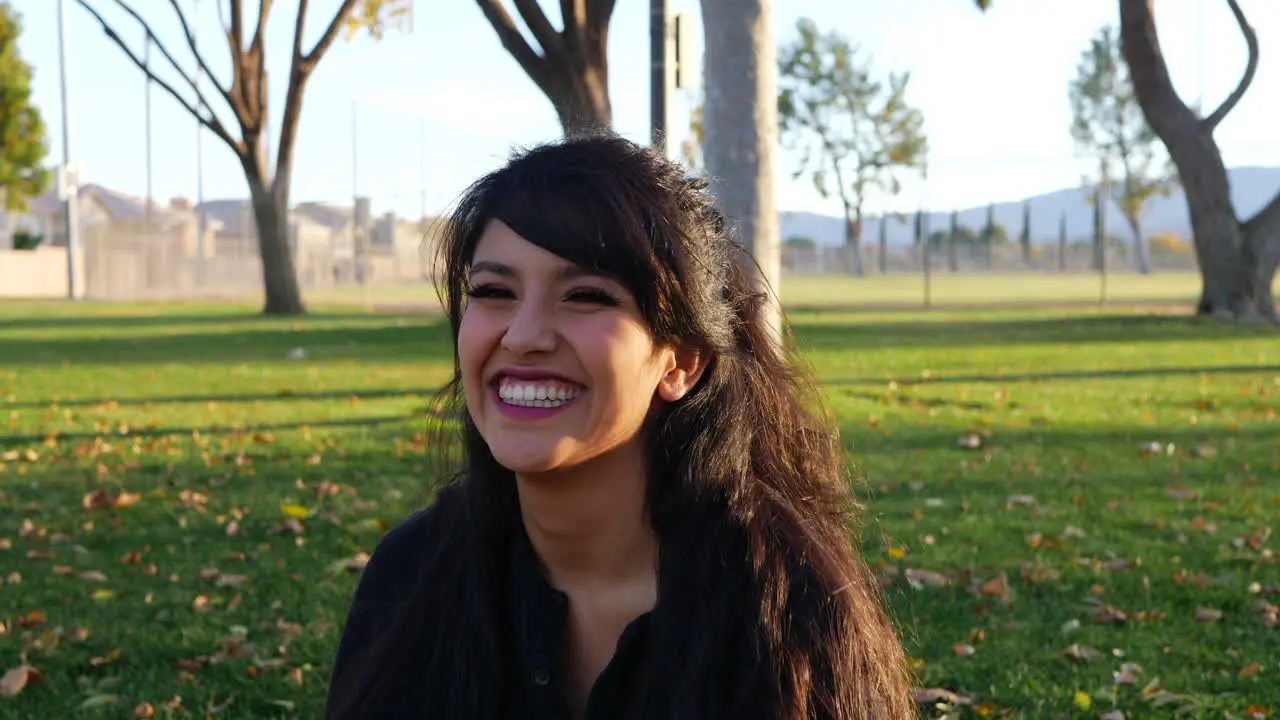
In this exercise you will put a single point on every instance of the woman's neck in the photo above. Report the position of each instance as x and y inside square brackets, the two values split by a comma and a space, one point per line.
[588, 524]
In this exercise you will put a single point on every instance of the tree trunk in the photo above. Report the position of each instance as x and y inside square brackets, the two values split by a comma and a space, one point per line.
[1262, 250]
[883, 260]
[582, 101]
[853, 239]
[279, 278]
[1139, 245]
[1230, 284]
[741, 124]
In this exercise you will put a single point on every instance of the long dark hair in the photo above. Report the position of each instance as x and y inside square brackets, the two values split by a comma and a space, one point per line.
[765, 608]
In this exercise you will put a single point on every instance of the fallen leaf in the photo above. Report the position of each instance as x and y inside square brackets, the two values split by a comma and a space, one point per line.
[107, 659]
[963, 649]
[929, 696]
[93, 576]
[1108, 615]
[920, 578]
[32, 619]
[98, 700]
[1180, 493]
[1249, 669]
[357, 563]
[1204, 614]
[144, 710]
[997, 587]
[1113, 715]
[295, 511]
[1020, 501]
[1081, 653]
[13, 681]
[1082, 700]
[201, 603]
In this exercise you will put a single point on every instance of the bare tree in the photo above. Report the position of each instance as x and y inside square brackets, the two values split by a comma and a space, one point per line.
[246, 96]
[1238, 260]
[572, 68]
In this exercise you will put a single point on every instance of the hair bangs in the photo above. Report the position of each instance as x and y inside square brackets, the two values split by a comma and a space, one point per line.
[574, 212]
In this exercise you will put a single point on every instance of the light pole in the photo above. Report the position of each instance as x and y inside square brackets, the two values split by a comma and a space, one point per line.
[69, 183]
[659, 83]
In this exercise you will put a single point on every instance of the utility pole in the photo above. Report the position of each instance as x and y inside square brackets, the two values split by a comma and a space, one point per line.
[69, 180]
[659, 77]
[146, 60]
[200, 214]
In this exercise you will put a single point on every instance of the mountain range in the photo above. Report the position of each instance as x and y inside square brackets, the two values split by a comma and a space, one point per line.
[1251, 188]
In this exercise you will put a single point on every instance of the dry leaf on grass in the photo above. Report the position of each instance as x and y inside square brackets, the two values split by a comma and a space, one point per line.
[14, 681]
[929, 696]
[1204, 614]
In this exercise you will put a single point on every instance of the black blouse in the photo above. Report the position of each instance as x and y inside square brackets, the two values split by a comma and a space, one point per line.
[533, 637]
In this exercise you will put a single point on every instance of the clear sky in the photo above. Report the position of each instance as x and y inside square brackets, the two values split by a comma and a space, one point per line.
[993, 89]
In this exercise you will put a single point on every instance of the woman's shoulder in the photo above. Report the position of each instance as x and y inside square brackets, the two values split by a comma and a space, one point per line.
[396, 560]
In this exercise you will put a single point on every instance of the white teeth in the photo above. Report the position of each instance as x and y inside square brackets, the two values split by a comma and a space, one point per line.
[536, 395]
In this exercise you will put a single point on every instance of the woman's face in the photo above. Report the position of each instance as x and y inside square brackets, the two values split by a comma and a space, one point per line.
[557, 363]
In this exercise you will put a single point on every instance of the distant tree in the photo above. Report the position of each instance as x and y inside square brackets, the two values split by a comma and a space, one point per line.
[995, 235]
[22, 151]
[798, 242]
[691, 147]
[246, 96]
[854, 133]
[1024, 237]
[571, 64]
[1108, 123]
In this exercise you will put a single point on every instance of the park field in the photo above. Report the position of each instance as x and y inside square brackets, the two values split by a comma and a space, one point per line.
[1071, 509]
[884, 291]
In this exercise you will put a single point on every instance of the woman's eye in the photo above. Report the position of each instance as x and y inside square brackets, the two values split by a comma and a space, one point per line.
[593, 296]
[488, 291]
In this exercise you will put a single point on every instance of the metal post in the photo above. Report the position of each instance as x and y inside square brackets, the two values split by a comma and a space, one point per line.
[71, 214]
[422, 171]
[659, 76]
[1104, 195]
[146, 60]
[201, 268]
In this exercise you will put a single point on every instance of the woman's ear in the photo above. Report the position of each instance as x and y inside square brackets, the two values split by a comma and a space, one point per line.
[686, 369]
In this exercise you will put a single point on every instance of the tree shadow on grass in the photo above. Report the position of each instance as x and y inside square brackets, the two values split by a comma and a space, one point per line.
[411, 340]
[818, 335]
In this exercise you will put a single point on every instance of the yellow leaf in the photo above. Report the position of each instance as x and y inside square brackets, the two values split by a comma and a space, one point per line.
[103, 594]
[295, 511]
[1082, 700]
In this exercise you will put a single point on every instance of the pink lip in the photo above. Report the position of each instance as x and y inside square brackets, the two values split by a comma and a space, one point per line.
[521, 412]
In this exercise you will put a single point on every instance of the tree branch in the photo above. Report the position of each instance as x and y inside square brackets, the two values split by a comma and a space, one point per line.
[575, 15]
[151, 37]
[513, 41]
[191, 43]
[322, 45]
[1251, 67]
[551, 41]
[237, 28]
[293, 98]
[211, 122]
[261, 30]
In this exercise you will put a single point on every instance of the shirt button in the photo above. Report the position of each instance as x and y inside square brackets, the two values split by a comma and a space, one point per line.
[542, 677]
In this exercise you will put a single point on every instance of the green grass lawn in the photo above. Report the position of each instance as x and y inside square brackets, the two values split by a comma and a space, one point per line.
[1069, 508]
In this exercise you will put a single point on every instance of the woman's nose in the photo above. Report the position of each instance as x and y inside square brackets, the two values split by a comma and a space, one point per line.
[531, 330]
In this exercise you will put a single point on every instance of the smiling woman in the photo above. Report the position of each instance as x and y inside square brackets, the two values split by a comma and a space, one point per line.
[650, 520]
